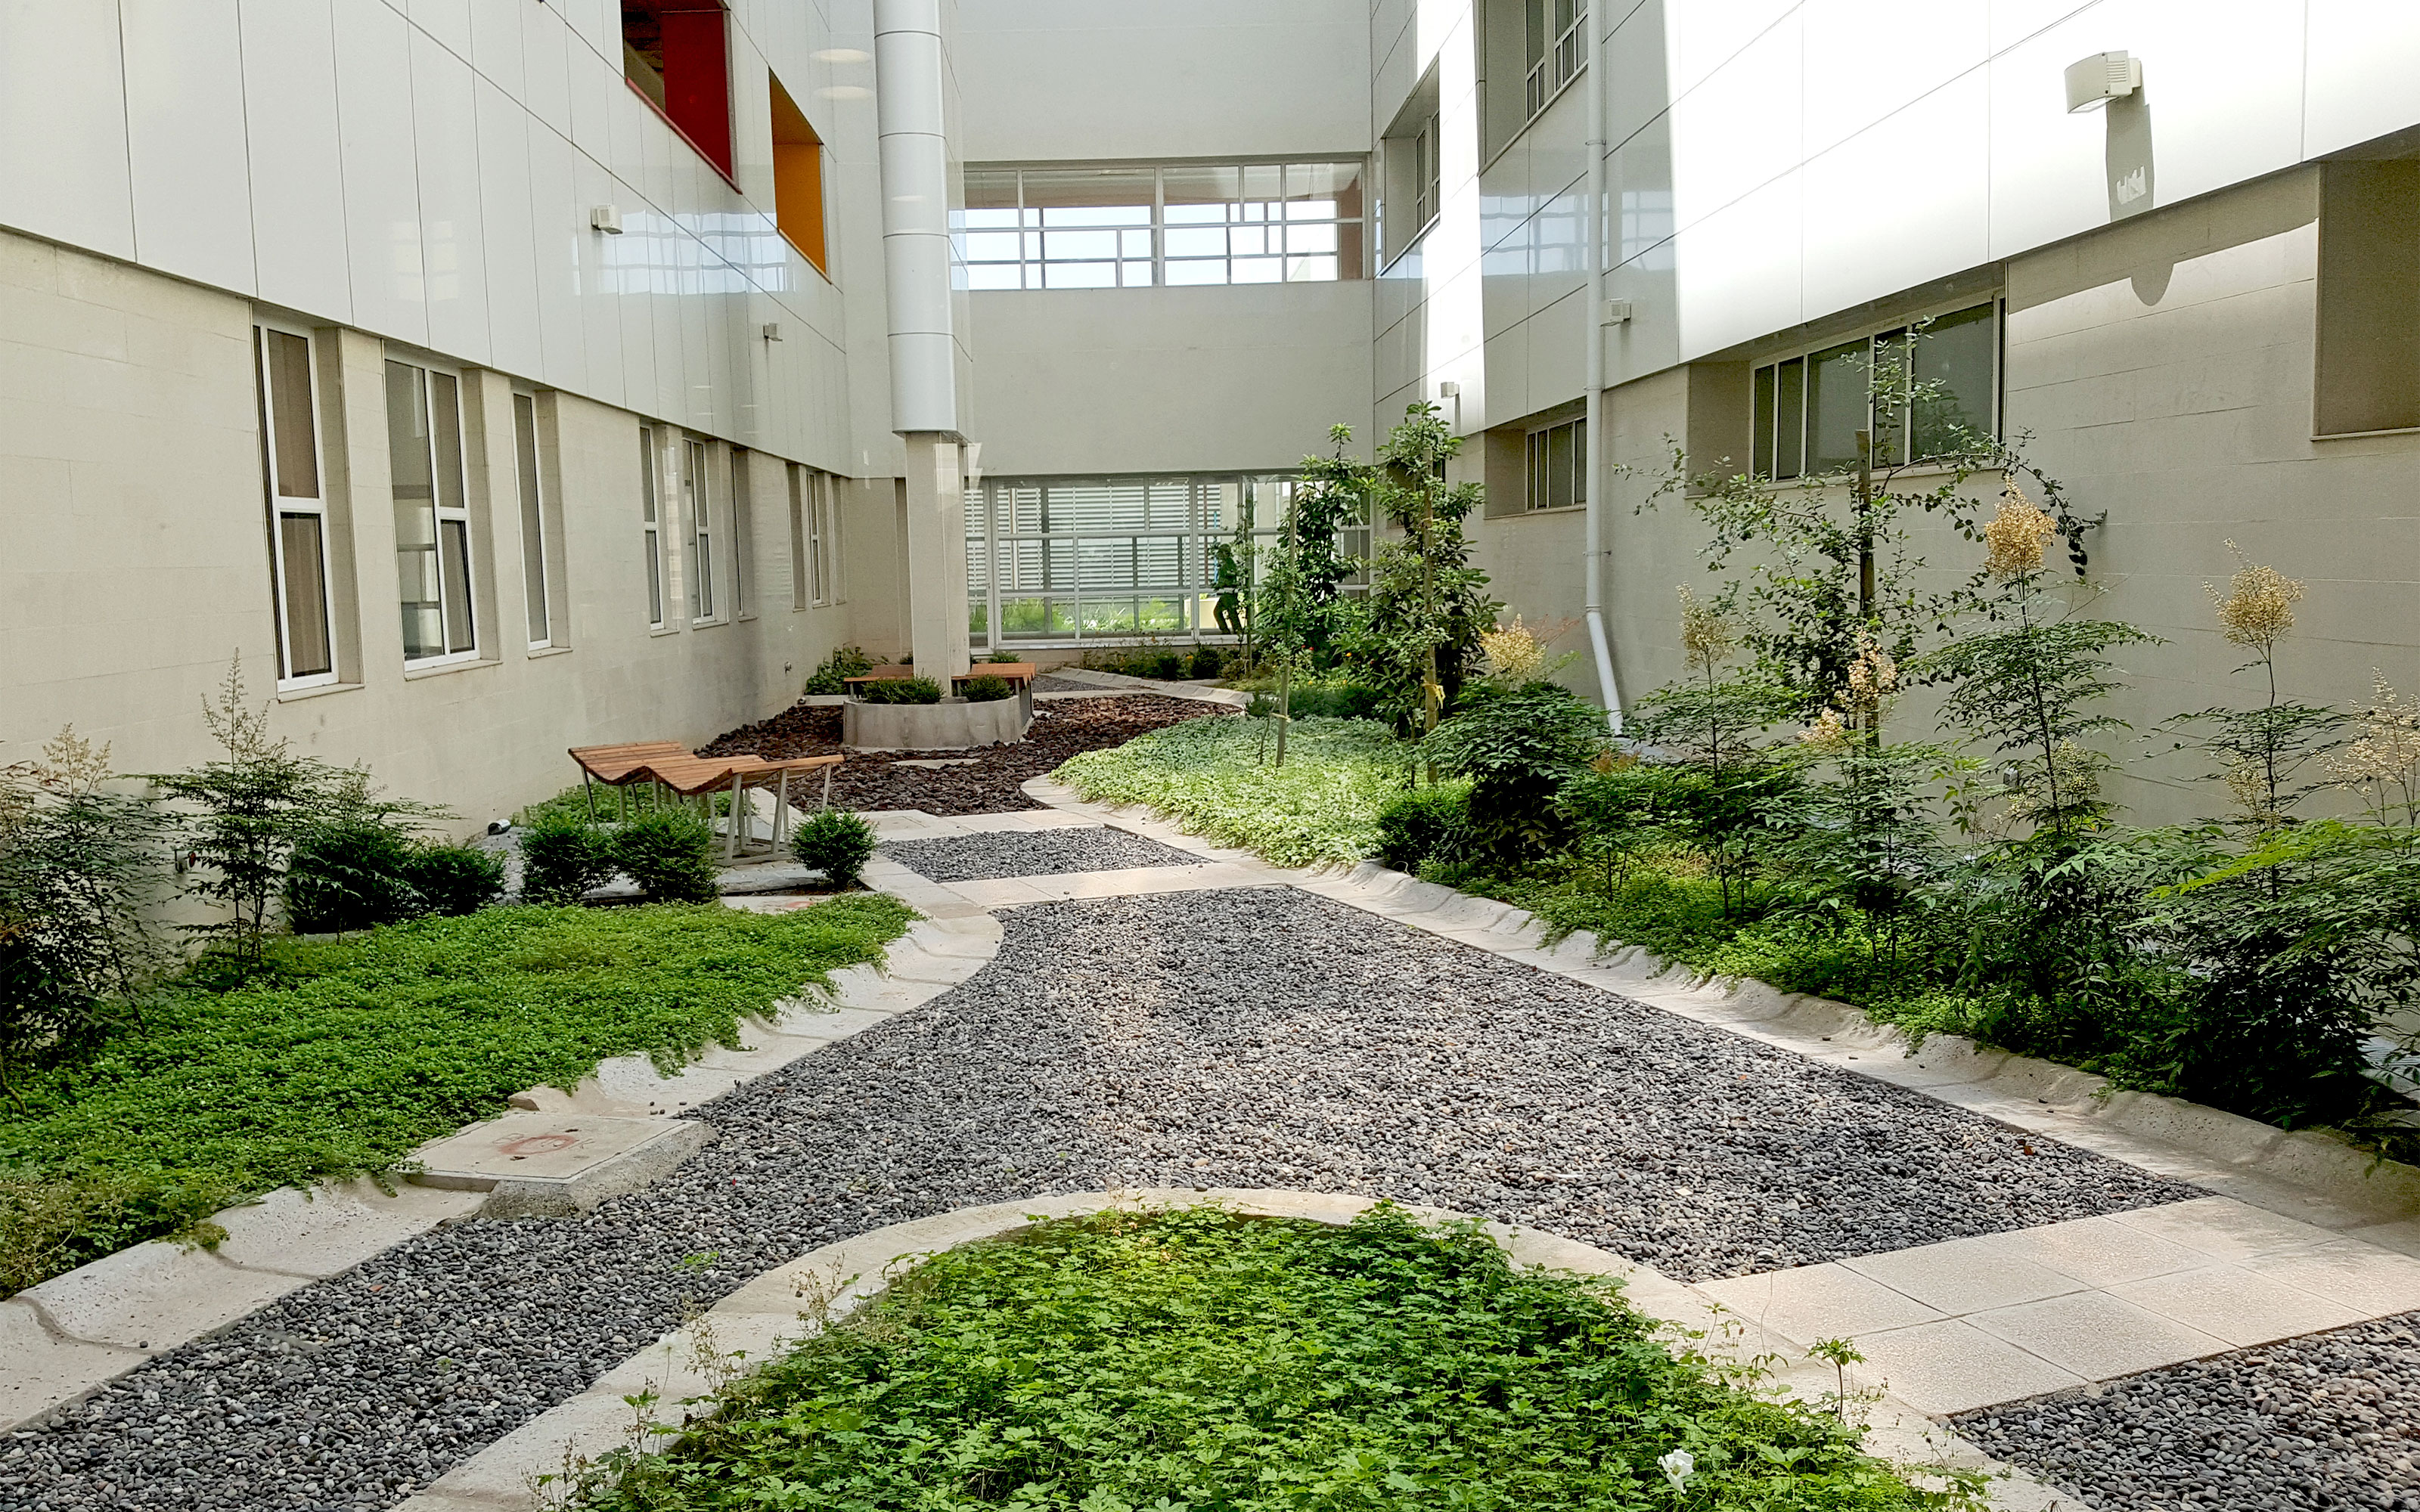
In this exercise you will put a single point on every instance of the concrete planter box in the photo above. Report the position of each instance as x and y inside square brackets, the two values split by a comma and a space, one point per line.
[950, 725]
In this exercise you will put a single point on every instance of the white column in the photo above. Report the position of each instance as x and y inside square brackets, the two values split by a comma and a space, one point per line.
[936, 557]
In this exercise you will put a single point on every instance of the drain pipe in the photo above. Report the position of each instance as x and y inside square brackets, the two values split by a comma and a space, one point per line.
[1598, 236]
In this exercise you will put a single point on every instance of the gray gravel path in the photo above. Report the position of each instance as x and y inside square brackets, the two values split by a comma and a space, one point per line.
[2328, 1421]
[1260, 1037]
[1035, 854]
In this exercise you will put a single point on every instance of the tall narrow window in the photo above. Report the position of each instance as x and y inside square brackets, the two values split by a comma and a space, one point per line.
[432, 517]
[1558, 466]
[532, 518]
[800, 594]
[297, 508]
[798, 179]
[827, 539]
[698, 508]
[1557, 48]
[648, 463]
[743, 545]
[677, 53]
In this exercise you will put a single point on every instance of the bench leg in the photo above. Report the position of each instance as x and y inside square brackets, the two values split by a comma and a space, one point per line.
[828, 772]
[588, 790]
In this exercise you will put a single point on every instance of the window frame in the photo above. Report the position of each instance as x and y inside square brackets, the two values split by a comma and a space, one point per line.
[277, 504]
[1794, 384]
[1144, 244]
[743, 528]
[651, 504]
[1538, 464]
[529, 470]
[442, 514]
[710, 139]
[695, 464]
[1562, 58]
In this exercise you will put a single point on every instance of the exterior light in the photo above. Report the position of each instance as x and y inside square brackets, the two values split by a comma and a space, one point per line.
[606, 218]
[2093, 82]
[1617, 312]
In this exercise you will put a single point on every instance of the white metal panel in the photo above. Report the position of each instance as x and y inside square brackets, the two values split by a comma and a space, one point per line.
[506, 205]
[1701, 39]
[63, 169]
[496, 41]
[559, 228]
[445, 22]
[381, 180]
[596, 306]
[2046, 165]
[546, 46]
[2224, 81]
[1903, 201]
[1739, 128]
[594, 91]
[1740, 268]
[293, 150]
[185, 140]
[2363, 59]
[1926, 42]
[446, 132]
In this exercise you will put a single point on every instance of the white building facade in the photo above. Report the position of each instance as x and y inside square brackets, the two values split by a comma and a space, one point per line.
[498, 375]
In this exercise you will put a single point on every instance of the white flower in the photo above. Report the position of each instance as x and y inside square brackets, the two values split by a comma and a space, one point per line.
[1678, 1466]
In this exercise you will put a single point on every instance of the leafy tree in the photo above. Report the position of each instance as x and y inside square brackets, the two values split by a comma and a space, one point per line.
[1428, 606]
[1519, 746]
[2263, 749]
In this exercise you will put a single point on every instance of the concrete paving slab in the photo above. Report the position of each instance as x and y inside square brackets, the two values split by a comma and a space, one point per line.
[634, 1080]
[41, 1372]
[553, 1164]
[2224, 1228]
[1951, 1365]
[833, 1023]
[2098, 1252]
[2096, 1335]
[1962, 1276]
[2371, 1281]
[1817, 1301]
[329, 1229]
[153, 1296]
[2229, 1302]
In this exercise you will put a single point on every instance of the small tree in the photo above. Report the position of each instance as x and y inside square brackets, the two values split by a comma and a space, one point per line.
[1428, 607]
[1299, 595]
[1519, 746]
[2263, 749]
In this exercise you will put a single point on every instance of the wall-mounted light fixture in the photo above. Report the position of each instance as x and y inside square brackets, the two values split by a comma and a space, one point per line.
[606, 218]
[1617, 312]
[772, 330]
[2094, 82]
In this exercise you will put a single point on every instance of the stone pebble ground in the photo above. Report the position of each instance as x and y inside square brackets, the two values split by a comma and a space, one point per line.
[1249, 1037]
[1032, 854]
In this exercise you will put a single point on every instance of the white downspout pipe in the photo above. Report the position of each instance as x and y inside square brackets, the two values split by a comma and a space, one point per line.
[1599, 233]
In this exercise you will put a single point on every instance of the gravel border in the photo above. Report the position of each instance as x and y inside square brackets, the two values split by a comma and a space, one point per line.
[1251, 1037]
[2325, 1421]
[1035, 854]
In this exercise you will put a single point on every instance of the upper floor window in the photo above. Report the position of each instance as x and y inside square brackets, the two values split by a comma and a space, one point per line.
[676, 53]
[432, 513]
[1921, 390]
[798, 179]
[298, 507]
[1557, 48]
[1412, 156]
[1130, 227]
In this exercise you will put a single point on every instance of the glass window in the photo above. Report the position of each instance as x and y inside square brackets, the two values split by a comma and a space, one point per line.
[800, 592]
[432, 522]
[1132, 227]
[742, 525]
[1557, 48]
[1922, 391]
[648, 463]
[698, 507]
[1557, 466]
[1955, 384]
[532, 516]
[298, 513]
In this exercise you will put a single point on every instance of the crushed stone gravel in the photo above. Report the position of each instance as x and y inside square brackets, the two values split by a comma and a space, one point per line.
[2328, 1421]
[1252, 1037]
[1046, 853]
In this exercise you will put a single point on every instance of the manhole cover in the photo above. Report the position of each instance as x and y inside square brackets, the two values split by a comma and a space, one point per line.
[537, 1144]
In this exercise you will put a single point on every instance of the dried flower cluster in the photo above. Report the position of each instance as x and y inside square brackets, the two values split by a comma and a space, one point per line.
[2017, 536]
[1829, 732]
[2072, 782]
[1707, 637]
[2248, 785]
[2259, 606]
[1514, 654]
[2383, 763]
[1873, 678]
[69, 766]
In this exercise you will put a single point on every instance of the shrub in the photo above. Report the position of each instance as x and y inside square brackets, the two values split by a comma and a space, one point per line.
[1208, 661]
[844, 662]
[455, 879]
[1005, 658]
[987, 690]
[562, 855]
[1166, 666]
[835, 843]
[1427, 825]
[670, 855]
[1518, 747]
[351, 874]
[900, 691]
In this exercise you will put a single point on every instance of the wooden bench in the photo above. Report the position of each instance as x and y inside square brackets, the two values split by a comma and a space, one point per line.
[669, 765]
[1017, 675]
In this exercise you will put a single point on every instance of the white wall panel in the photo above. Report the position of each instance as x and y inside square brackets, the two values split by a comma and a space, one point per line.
[594, 90]
[446, 133]
[1926, 42]
[599, 307]
[496, 43]
[558, 224]
[2364, 55]
[448, 22]
[381, 178]
[1701, 39]
[1738, 129]
[2224, 83]
[507, 204]
[293, 148]
[547, 48]
[1739, 270]
[2047, 165]
[63, 171]
[185, 140]
[1862, 241]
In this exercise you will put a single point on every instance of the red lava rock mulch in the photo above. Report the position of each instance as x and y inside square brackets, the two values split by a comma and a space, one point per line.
[871, 779]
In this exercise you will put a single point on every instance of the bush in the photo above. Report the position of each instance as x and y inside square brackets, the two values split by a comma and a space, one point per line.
[670, 855]
[1428, 825]
[453, 880]
[1519, 746]
[844, 662]
[1005, 658]
[835, 843]
[1209, 661]
[352, 874]
[987, 690]
[900, 691]
[562, 855]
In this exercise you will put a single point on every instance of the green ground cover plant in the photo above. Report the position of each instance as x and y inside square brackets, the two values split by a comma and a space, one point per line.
[1210, 775]
[1196, 1360]
[899, 690]
[331, 1060]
